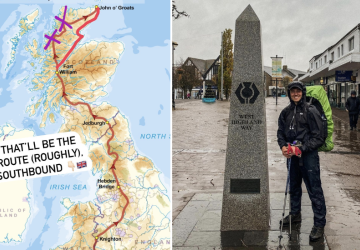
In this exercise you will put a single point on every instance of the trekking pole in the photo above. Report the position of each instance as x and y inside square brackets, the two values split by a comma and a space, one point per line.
[286, 191]
[290, 198]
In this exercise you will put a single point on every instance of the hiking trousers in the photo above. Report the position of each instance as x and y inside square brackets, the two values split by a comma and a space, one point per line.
[310, 173]
[353, 120]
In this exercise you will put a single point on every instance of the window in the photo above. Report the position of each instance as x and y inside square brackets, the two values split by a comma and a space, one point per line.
[325, 59]
[311, 65]
[332, 56]
[342, 49]
[316, 65]
[351, 44]
[216, 69]
[338, 52]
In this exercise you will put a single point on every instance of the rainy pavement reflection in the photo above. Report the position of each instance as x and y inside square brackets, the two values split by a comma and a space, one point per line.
[345, 140]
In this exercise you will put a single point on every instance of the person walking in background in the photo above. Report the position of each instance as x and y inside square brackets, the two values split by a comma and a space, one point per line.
[273, 92]
[352, 106]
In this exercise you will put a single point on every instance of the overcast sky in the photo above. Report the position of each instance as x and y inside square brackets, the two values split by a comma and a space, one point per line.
[298, 28]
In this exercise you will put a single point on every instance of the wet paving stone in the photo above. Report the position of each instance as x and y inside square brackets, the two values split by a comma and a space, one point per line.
[210, 221]
[206, 233]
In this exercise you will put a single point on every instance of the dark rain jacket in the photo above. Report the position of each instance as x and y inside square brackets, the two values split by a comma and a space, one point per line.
[300, 122]
[352, 105]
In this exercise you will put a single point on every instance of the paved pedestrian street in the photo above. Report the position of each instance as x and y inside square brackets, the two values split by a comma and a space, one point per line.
[199, 149]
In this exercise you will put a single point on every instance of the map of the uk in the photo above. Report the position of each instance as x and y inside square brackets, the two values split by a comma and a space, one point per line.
[85, 68]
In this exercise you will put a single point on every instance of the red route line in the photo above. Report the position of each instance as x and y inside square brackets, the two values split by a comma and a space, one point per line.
[123, 211]
[58, 65]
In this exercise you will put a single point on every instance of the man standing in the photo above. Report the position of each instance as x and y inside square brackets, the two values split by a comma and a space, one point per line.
[302, 122]
[352, 106]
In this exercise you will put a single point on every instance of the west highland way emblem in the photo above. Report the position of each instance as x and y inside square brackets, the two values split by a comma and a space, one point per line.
[247, 92]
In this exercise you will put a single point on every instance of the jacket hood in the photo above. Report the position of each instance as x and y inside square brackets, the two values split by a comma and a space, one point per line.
[353, 92]
[298, 85]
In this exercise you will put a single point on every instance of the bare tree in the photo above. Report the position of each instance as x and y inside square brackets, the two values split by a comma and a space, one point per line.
[176, 14]
[185, 77]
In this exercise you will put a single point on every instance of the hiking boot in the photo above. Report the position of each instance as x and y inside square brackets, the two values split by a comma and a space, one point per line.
[294, 218]
[316, 233]
[351, 128]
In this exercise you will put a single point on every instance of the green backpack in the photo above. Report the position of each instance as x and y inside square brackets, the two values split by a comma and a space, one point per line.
[316, 96]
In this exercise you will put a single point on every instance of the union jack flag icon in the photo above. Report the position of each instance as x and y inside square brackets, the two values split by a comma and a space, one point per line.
[81, 164]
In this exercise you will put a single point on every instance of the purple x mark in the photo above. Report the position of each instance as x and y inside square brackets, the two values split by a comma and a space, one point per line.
[51, 39]
[63, 20]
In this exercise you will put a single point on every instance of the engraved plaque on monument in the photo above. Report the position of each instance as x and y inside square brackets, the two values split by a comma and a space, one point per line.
[246, 182]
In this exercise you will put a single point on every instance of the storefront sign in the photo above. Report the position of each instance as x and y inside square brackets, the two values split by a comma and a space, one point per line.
[343, 76]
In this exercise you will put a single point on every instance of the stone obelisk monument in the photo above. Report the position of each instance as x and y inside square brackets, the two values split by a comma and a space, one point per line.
[246, 187]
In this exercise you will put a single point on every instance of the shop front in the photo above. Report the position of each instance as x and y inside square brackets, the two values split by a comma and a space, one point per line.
[281, 91]
[339, 92]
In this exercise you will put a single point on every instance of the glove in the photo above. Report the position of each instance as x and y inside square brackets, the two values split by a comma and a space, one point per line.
[293, 150]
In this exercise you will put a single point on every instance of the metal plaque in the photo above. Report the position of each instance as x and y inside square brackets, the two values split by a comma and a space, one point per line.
[245, 186]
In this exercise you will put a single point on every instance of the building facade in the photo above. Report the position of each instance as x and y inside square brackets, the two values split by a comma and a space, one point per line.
[205, 70]
[344, 55]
